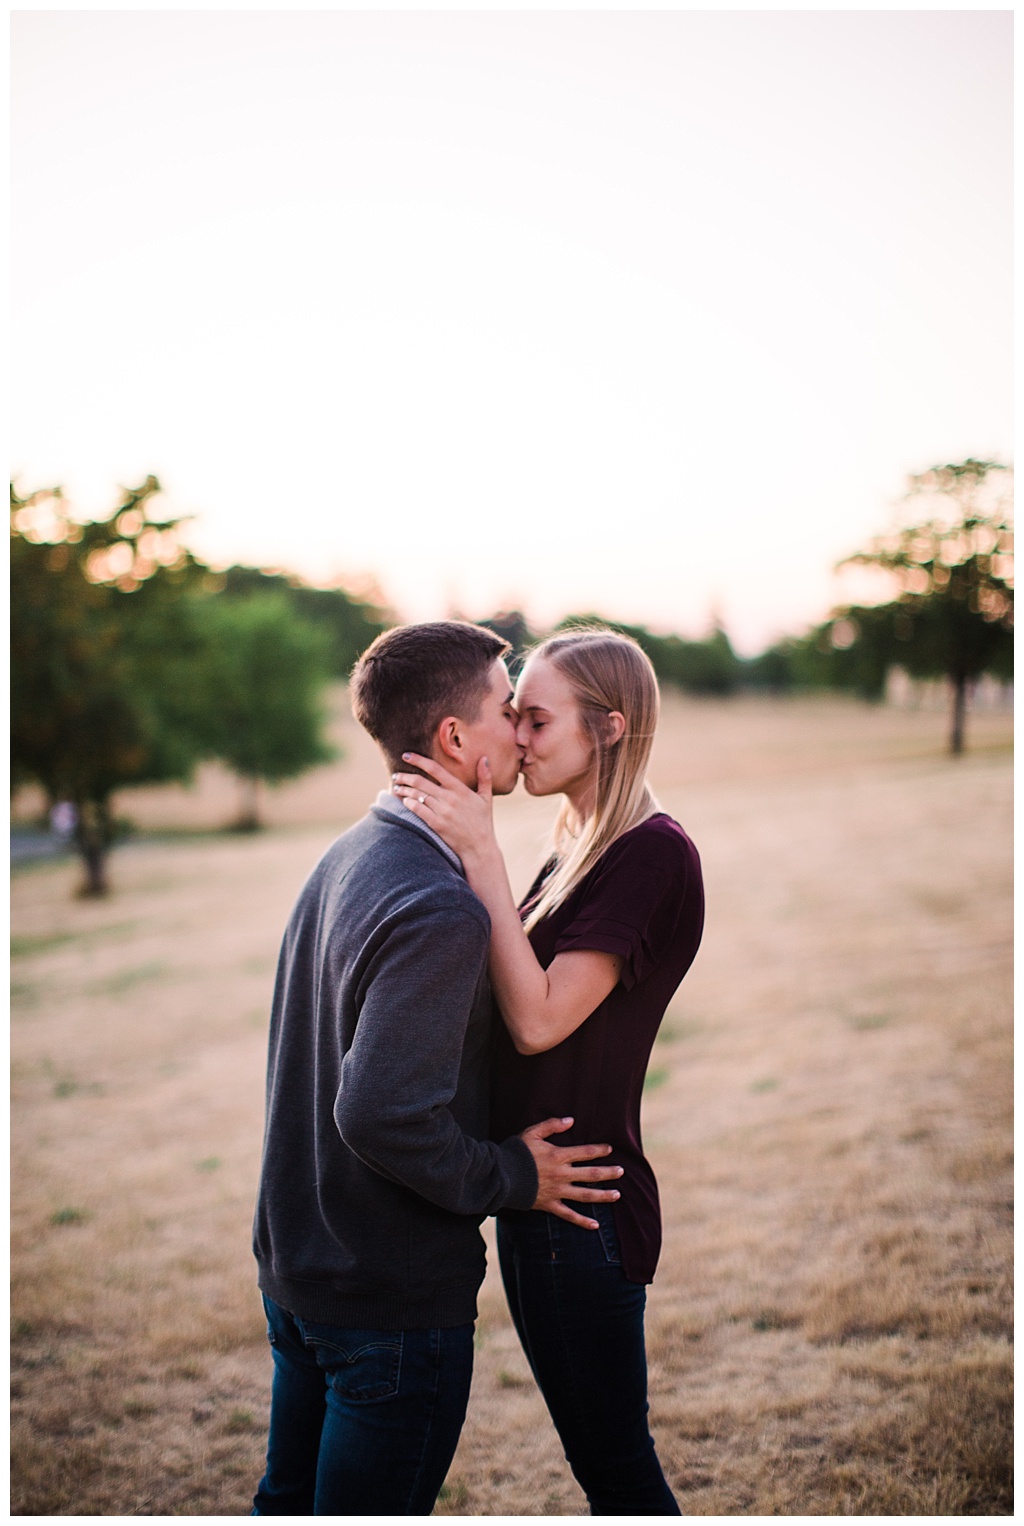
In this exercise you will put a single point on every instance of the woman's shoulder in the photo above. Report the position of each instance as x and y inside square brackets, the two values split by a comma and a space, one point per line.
[643, 899]
[658, 839]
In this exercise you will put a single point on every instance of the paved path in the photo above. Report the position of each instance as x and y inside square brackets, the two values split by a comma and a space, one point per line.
[28, 843]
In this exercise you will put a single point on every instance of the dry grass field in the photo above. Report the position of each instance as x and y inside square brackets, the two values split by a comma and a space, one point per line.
[828, 1112]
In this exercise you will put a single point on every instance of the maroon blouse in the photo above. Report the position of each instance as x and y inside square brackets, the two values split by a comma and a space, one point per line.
[643, 900]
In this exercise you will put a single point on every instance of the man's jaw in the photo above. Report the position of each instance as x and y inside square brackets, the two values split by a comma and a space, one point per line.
[513, 781]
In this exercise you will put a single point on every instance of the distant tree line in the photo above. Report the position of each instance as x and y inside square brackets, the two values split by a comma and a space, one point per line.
[951, 616]
[699, 667]
[132, 661]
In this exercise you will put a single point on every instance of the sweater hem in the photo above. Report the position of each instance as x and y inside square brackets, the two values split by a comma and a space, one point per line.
[382, 1309]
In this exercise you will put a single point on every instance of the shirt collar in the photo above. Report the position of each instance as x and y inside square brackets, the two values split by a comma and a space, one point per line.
[394, 806]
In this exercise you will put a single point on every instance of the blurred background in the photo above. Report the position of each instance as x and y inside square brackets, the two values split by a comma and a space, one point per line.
[694, 323]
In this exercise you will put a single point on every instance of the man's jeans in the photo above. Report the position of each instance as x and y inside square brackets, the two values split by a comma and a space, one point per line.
[581, 1323]
[362, 1422]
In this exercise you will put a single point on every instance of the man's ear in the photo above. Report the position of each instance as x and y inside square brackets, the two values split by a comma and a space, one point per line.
[450, 740]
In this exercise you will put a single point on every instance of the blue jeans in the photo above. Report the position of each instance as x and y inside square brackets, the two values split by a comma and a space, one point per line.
[362, 1422]
[581, 1323]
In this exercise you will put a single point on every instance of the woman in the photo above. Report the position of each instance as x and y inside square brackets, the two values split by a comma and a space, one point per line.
[583, 972]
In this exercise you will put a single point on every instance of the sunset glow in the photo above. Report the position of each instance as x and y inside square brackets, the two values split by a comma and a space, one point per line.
[647, 313]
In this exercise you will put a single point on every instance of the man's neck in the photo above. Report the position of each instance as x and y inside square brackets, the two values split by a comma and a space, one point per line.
[385, 801]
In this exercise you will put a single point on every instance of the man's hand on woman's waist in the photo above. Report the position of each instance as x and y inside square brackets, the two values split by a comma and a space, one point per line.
[561, 1174]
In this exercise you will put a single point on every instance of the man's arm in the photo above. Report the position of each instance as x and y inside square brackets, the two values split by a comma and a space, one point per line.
[402, 1071]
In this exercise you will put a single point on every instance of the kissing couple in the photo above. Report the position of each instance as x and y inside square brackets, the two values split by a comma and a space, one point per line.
[429, 1043]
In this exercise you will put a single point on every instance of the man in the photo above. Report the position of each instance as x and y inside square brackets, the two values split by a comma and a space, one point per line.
[376, 1167]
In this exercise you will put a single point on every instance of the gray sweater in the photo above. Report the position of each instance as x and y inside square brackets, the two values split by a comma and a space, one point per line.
[376, 1165]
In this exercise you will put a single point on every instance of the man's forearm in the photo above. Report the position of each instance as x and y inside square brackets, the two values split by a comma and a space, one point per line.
[404, 1067]
[431, 1155]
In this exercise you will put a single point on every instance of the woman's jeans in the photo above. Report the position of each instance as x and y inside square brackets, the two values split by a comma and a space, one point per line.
[362, 1422]
[581, 1322]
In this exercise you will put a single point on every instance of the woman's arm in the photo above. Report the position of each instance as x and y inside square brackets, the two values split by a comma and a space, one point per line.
[540, 1007]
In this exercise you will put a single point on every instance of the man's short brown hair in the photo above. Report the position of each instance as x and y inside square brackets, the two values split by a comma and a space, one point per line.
[410, 678]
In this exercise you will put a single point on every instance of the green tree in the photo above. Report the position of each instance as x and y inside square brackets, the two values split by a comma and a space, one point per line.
[350, 623]
[512, 626]
[261, 684]
[700, 667]
[101, 651]
[773, 670]
[953, 614]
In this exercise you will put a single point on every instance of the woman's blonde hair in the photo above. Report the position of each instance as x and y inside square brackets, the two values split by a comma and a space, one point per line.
[607, 671]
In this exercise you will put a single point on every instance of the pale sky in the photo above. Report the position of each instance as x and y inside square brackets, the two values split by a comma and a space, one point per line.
[646, 313]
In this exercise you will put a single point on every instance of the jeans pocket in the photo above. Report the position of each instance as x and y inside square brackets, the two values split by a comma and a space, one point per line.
[572, 1246]
[362, 1366]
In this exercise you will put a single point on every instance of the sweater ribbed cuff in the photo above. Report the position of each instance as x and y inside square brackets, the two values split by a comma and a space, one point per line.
[522, 1174]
